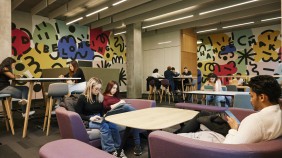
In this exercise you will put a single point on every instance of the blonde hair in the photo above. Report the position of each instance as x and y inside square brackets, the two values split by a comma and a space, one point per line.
[88, 91]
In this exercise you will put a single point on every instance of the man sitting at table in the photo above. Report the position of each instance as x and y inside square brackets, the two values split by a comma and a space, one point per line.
[264, 125]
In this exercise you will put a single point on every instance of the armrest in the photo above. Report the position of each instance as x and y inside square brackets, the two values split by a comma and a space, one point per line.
[165, 145]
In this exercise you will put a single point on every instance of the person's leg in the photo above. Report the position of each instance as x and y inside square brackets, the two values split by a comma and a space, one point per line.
[24, 94]
[192, 125]
[17, 92]
[209, 98]
[218, 100]
[107, 141]
[78, 87]
[115, 134]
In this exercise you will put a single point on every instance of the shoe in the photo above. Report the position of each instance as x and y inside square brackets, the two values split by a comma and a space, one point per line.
[137, 150]
[53, 112]
[122, 154]
[30, 113]
[23, 102]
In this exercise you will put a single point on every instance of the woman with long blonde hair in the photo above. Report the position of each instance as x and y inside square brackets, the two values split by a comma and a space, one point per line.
[90, 108]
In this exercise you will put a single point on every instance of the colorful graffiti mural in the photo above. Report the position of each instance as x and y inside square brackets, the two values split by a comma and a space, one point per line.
[52, 44]
[254, 51]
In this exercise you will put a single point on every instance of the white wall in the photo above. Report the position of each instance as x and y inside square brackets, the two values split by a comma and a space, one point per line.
[160, 55]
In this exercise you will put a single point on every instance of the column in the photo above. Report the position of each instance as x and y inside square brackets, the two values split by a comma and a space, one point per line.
[5, 29]
[134, 60]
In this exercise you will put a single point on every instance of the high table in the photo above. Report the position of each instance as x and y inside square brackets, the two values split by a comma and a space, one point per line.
[150, 119]
[31, 84]
[221, 93]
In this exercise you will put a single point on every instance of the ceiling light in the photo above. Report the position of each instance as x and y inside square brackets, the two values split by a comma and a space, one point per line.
[120, 33]
[97, 11]
[165, 42]
[74, 20]
[247, 23]
[199, 42]
[271, 19]
[119, 2]
[231, 6]
[207, 30]
[169, 21]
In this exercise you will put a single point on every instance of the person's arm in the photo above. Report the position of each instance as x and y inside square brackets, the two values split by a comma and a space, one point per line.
[249, 131]
[217, 86]
[9, 73]
[203, 86]
[79, 108]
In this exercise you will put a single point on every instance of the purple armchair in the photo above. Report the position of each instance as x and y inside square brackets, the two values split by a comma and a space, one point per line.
[165, 145]
[71, 148]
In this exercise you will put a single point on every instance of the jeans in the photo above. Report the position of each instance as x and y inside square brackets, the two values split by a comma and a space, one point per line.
[217, 100]
[78, 87]
[110, 137]
[19, 92]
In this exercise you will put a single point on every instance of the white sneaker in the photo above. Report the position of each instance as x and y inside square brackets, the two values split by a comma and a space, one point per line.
[122, 154]
[53, 112]
[30, 113]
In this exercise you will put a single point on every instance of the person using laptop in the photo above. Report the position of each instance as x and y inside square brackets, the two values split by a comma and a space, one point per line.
[111, 101]
[214, 82]
[264, 125]
[90, 108]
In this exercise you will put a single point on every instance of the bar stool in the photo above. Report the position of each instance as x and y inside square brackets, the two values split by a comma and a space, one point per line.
[152, 90]
[55, 91]
[165, 89]
[6, 98]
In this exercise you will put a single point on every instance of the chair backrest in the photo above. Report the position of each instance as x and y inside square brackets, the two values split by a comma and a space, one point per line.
[231, 88]
[71, 125]
[141, 103]
[58, 89]
[165, 82]
[208, 88]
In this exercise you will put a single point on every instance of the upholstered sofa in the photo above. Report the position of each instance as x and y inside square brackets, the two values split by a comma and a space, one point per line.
[166, 145]
[71, 125]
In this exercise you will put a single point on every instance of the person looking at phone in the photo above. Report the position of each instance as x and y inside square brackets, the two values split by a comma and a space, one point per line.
[264, 125]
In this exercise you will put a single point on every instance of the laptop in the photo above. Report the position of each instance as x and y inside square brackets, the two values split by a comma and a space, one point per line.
[208, 88]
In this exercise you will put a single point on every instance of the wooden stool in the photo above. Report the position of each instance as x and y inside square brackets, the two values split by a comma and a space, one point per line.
[5, 98]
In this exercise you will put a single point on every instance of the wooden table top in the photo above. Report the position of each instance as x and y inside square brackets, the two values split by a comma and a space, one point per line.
[152, 118]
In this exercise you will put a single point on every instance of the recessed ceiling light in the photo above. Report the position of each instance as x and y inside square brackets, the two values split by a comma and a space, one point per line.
[247, 23]
[169, 21]
[231, 6]
[74, 20]
[97, 11]
[120, 33]
[271, 19]
[165, 42]
[207, 30]
[119, 2]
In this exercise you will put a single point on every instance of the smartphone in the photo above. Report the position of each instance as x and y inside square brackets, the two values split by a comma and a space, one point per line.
[230, 114]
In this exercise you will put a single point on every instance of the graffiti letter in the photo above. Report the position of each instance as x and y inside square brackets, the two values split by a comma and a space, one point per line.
[54, 47]
[271, 47]
[46, 49]
[261, 44]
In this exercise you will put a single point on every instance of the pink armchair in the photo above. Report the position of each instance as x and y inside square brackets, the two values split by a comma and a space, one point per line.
[166, 145]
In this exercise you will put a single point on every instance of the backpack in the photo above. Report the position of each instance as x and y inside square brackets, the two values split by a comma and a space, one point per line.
[70, 101]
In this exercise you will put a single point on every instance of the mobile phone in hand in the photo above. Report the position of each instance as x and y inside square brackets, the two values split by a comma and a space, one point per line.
[230, 114]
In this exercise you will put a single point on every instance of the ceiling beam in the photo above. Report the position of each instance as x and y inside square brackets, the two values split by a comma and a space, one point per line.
[66, 7]
[40, 6]
[16, 3]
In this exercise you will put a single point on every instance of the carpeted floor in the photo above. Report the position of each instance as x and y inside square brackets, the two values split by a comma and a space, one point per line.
[14, 146]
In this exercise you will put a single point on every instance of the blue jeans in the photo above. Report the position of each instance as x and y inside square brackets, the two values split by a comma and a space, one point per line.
[217, 100]
[135, 132]
[110, 137]
[19, 92]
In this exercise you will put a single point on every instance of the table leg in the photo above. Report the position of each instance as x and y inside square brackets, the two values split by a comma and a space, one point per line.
[124, 138]
[28, 108]
[9, 115]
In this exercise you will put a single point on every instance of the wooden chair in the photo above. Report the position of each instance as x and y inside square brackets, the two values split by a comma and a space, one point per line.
[55, 91]
[6, 100]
